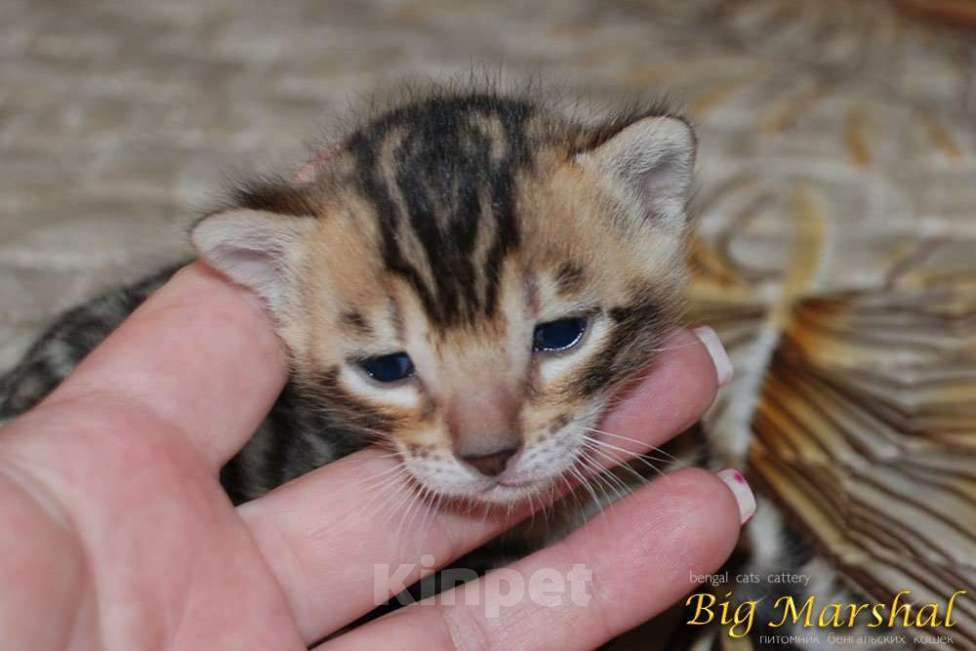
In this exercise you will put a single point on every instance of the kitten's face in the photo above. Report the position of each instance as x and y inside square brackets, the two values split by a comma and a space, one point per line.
[475, 312]
[496, 402]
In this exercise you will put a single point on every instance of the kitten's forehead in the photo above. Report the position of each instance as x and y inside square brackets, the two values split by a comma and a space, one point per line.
[457, 202]
[563, 260]
[441, 180]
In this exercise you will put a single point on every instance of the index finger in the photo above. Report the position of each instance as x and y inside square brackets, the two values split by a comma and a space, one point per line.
[628, 564]
[200, 354]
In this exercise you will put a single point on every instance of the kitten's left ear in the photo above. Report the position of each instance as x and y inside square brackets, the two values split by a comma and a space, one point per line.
[650, 165]
[254, 248]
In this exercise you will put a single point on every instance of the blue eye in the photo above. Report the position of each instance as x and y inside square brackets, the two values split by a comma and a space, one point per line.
[388, 368]
[558, 335]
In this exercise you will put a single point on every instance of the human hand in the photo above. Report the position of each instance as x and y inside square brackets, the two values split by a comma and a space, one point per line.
[117, 534]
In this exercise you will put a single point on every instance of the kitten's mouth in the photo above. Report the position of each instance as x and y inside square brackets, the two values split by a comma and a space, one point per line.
[520, 481]
[516, 484]
[509, 493]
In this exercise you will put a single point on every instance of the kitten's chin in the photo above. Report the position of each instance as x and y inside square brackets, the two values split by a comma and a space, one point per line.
[504, 493]
[500, 493]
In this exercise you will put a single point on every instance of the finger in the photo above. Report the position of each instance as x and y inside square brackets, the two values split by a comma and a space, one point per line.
[675, 394]
[199, 354]
[339, 512]
[630, 563]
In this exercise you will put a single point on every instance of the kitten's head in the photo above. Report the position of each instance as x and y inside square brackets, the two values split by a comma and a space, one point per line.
[470, 278]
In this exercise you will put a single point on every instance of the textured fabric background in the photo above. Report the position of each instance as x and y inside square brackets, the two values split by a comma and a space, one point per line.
[837, 241]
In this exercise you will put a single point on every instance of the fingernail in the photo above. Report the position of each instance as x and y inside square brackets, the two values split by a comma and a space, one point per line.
[744, 497]
[720, 358]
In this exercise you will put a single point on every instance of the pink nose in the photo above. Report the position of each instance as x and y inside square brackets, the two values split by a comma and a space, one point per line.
[490, 465]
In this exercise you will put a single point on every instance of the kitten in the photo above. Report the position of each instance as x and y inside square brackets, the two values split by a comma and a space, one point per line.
[466, 278]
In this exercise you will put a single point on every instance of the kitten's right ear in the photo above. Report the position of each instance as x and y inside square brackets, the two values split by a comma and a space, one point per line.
[651, 163]
[254, 248]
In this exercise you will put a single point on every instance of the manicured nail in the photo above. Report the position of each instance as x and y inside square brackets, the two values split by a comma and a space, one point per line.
[720, 358]
[743, 494]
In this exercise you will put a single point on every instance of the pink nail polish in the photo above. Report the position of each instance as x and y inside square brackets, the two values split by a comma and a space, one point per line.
[740, 488]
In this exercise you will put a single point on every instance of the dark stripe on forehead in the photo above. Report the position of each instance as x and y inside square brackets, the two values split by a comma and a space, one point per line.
[356, 323]
[569, 279]
[450, 180]
[374, 189]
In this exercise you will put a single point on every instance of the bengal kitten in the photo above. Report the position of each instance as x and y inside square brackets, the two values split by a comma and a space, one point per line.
[467, 278]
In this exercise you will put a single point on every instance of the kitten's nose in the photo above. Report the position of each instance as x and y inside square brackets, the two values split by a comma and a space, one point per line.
[490, 465]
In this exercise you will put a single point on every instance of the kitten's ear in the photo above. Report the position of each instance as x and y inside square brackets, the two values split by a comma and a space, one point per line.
[254, 248]
[651, 163]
